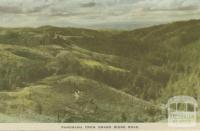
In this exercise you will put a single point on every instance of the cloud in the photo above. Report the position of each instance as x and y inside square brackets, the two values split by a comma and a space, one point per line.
[10, 9]
[22, 7]
[89, 4]
[169, 5]
[88, 13]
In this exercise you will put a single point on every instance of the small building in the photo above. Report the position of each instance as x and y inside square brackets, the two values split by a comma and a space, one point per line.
[182, 111]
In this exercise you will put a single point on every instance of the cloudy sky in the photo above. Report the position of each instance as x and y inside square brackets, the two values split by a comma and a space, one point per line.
[118, 14]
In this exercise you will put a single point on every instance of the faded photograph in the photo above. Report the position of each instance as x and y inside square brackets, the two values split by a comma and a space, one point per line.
[99, 61]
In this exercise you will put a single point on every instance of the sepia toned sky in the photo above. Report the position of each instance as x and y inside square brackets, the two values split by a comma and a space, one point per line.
[116, 14]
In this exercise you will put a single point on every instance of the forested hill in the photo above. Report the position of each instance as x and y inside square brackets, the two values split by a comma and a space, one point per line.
[53, 74]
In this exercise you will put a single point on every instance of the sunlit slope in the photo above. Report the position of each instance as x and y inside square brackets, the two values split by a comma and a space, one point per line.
[78, 75]
[54, 83]
[76, 99]
[160, 58]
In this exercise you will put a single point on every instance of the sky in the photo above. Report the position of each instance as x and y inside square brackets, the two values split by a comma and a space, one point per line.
[103, 14]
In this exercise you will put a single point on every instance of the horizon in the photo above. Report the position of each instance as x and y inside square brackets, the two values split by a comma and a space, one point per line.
[96, 14]
[99, 29]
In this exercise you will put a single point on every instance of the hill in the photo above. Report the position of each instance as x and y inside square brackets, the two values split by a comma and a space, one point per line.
[52, 74]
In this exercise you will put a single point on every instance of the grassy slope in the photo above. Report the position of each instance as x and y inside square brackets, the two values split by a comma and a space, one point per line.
[96, 102]
[42, 69]
[50, 96]
[158, 57]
